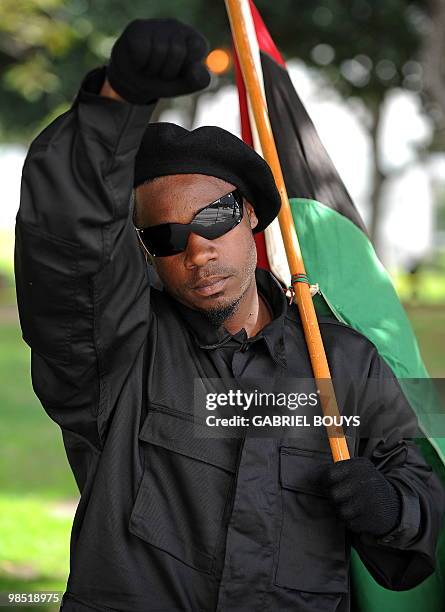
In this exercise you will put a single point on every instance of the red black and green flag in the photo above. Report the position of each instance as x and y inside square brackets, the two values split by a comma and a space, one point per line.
[355, 287]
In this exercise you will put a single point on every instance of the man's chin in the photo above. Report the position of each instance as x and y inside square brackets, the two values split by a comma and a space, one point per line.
[218, 311]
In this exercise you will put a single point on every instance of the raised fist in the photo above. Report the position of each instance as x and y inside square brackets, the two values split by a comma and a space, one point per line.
[157, 58]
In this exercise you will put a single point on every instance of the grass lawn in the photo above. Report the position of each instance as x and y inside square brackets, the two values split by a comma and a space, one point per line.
[38, 493]
[32, 454]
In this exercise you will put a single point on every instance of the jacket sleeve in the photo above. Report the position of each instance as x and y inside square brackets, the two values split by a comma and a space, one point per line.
[81, 279]
[404, 557]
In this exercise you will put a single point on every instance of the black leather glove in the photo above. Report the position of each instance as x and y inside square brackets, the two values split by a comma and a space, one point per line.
[364, 499]
[157, 58]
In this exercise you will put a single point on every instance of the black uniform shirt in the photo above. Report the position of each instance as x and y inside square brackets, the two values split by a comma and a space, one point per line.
[171, 520]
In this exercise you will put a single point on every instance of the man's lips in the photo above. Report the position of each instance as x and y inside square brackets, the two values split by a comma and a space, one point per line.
[210, 285]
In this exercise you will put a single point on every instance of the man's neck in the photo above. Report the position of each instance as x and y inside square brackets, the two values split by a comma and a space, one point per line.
[252, 313]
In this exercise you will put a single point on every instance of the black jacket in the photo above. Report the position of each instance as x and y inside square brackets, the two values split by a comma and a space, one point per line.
[169, 521]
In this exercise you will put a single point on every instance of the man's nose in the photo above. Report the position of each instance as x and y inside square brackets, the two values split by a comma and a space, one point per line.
[199, 251]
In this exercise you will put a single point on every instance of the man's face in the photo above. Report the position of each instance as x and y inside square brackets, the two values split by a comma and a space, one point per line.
[210, 275]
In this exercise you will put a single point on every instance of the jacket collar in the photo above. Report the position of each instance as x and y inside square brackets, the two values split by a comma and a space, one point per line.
[209, 337]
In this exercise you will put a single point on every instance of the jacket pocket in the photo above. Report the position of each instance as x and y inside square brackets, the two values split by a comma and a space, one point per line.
[186, 484]
[46, 270]
[312, 548]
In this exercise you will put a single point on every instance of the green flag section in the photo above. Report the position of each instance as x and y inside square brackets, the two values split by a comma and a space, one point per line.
[359, 292]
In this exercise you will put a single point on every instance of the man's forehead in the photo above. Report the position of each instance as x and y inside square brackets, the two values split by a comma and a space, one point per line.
[178, 197]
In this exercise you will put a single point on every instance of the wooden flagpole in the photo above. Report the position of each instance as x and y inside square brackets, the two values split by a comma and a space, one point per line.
[236, 10]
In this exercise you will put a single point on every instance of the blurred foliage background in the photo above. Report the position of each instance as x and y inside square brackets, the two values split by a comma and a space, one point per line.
[364, 49]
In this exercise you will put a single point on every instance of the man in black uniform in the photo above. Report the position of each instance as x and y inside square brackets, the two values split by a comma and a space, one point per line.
[168, 519]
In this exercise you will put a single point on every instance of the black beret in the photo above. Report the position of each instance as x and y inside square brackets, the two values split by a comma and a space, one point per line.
[167, 148]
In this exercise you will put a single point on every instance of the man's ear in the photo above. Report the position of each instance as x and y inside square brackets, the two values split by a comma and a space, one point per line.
[253, 219]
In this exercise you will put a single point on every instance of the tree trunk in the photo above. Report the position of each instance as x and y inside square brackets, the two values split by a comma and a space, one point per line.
[433, 63]
[377, 180]
[191, 110]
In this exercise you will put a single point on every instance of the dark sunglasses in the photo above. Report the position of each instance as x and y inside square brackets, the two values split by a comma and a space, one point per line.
[212, 221]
